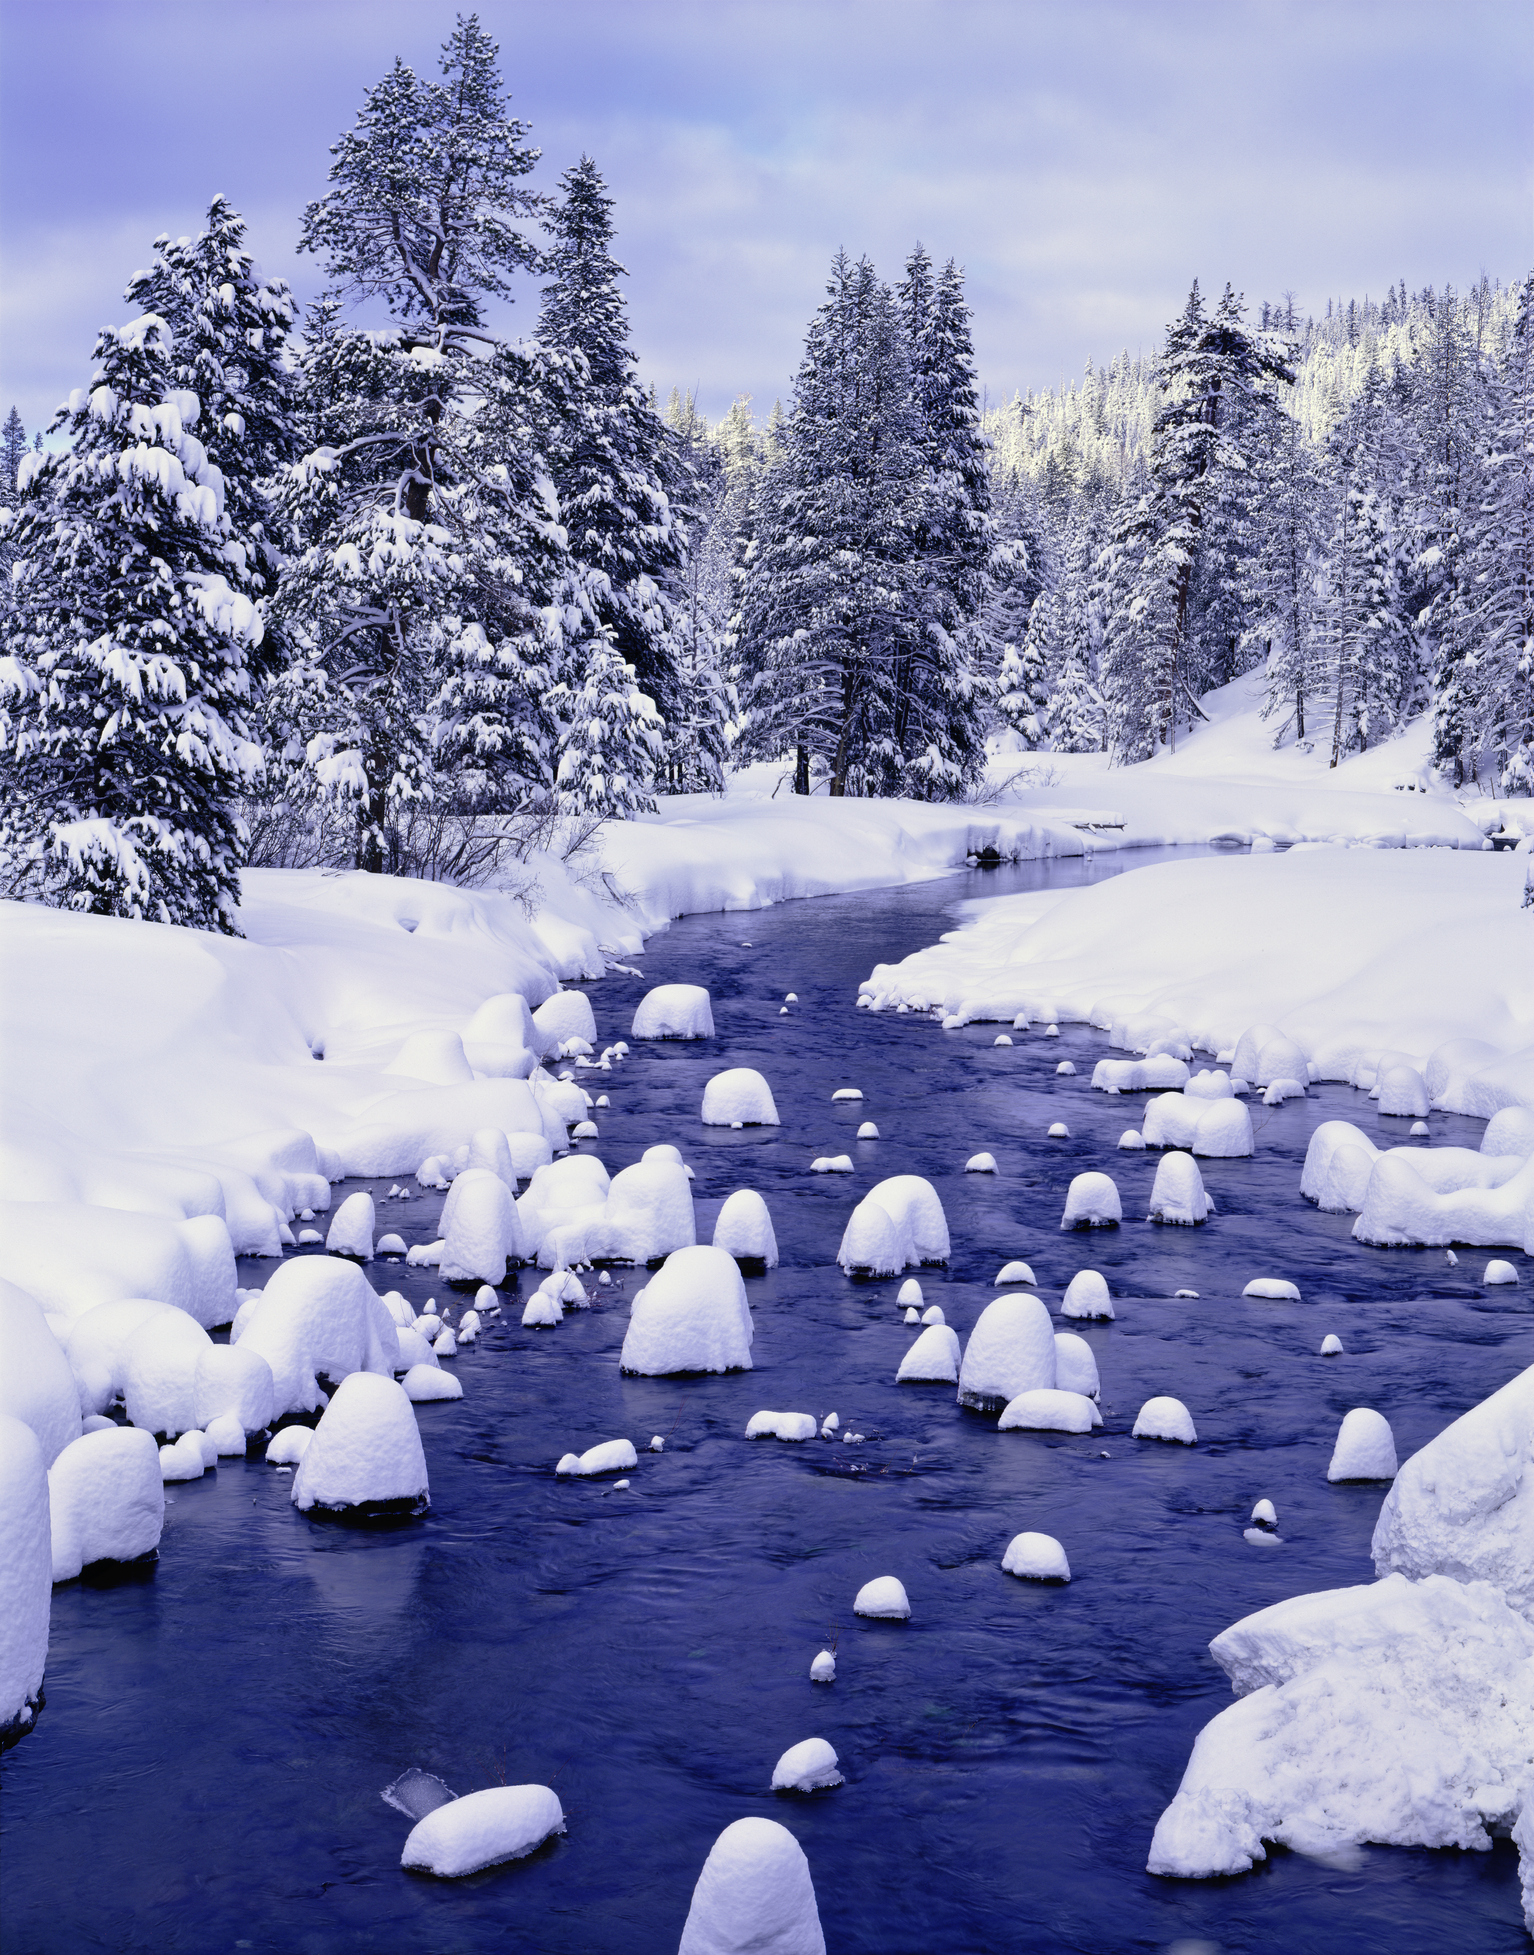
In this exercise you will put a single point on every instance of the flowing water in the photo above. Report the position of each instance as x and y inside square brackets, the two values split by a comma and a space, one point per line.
[207, 1773]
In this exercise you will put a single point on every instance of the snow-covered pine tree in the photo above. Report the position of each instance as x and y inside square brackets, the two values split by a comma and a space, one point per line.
[1501, 557]
[1281, 619]
[1359, 632]
[13, 445]
[124, 685]
[1022, 695]
[623, 477]
[825, 591]
[940, 678]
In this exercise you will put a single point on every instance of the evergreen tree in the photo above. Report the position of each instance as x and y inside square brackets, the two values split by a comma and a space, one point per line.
[1282, 613]
[1022, 697]
[125, 682]
[1501, 558]
[13, 445]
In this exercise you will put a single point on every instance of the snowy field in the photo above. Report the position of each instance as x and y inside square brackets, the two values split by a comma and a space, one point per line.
[179, 1107]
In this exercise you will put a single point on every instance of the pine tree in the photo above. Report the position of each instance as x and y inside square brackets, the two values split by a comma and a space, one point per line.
[1282, 611]
[826, 588]
[1501, 563]
[1022, 697]
[125, 681]
[13, 445]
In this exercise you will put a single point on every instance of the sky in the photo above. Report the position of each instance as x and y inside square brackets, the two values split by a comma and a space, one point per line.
[1082, 161]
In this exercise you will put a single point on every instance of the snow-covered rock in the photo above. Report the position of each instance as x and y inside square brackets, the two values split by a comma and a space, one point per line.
[1331, 1345]
[980, 1164]
[1178, 1193]
[809, 1766]
[909, 1295]
[1158, 1075]
[823, 1668]
[70, 1257]
[1338, 1162]
[1036, 1558]
[744, 1230]
[1275, 1288]
[160, 1370]
[1058, 1130]
[483, 1829]
[1215, 1128]
[932, 1359]
[1207, 1085]
[1396, 1712]
[234, 1382]
[1131, 1141]
[1402, 1090]
[933, 1314]
[187, 1459]
[832, 1164]
[796, 1426]
[317, 1316]
[1075, 1366]
[107, 1500]
[884, 1597]
[1365, 1448]
[899, 1223]
[1049, 1410]
[287, 1447]
[1264, 1054]
[1440, 1195]
[1165, 1418]
[1092, 1202]
[1497, 1272]
[1065, 1068]
[1086, 1295]
[847, 1094]
[1464, 1505]
[611, 1456]
[366, 1452]
[351, 1228]
[647, 1212]
[481, 1229]
[1014, 1272]
[738, 1098]
[424, 1383]
[692, 1315]
[434, 1057]
[565, 1016]
[26, 1576]
[674, 1011]
[1010, 1350]
[754, 1896]
[37, 1385]
[868, 1131]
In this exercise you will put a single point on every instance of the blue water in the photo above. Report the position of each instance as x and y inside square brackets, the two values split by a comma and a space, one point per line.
[206, 1773]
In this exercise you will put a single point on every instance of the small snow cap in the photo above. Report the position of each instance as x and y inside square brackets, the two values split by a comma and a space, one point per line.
[885, 1598]
[1165, 1418]
[1036, 1558]
[1498, 1271]
[1331, 1345]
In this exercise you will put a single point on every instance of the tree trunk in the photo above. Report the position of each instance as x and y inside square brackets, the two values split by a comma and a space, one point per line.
[801, 769]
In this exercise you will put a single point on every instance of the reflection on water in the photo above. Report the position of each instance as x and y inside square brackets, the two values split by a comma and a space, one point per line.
[206, 1774]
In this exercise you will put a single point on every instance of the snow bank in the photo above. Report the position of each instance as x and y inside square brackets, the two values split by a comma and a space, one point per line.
[738, 1098]
[674, 1011]
[37, 1385]
[317, 1319]
[366, 1452]
[26, 1576]
[932, 1360]
[1092, 1202]
[754, 1896]
[1036, 1558]
[744, 1230]
[1010, 1350]
[809, 1766]
[898, 1224]
[1400, 1713]
[482, 1829]
[70, 1257]
[106, 1499]
[1464, 1505]
[692, 1315]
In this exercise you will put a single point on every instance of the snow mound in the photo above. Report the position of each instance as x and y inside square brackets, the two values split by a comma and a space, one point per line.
[1049, 1411]
[160, 1368]
[1331, 1345]
[645, 1212]
[1059, 1131]
[611, 1456]
[1036, 1558]
[794, 1426]
[1338, 1162]
[674, 1011]
[1161, 1074]
[565, 1016]
[26, 1576]
[1441, 1195]
[316, 1317]
[1497, 1272]
[1014, 1273]
[744, 1230]
[1066, 1069]
[70, 1257]
[435, 1058]
[1274, 1287]
[1075, 1366]
[1165, 1418]
[1178, 1194]
[1131, 1141]
[236, 1383]
[1396, 1712]
[847, 1094]
[1086, 1295]
[692, 1315]
[1464, 1505]
[500, 1040]
[366, 1452]
[823, 1668]
[351, 1229]
[424, 1383]
[481, 1229]
[483, 1829]
[1207, 1085]
[809, 1766]
[980, 1164]
[1092, 1202]
[1402, 1090]
[831, 1164]
[186, 1460]
[868, 1131]
[1216, 1128]
[932, 1360]
[1010, 1350]
[37, 1384]
[1365, 1449]
[287, 1447]
[738, 1098]
[933, 1314]
[909, 1294]
[898, 1223]
[1264, 1054]
[107, 1500]
[884, 1597]
[754, 1896]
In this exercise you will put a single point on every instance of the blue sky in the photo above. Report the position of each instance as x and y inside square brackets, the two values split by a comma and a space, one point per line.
[1083, 161]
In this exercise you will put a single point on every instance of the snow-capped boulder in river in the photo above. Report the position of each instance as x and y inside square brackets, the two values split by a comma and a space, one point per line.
[754, 1896]
[932, 1360]
[1464, 1505]
[809, 1766]
[692, 1315]
[1167, 1419]
[1178, 1194]
[1401, 1091]
[1161, 1074]
[566, 1016]
[1264, 1054]
[744, 1230]
[234, 1382]
[738, 1098]
[351, 1229]
[674, 1011]
[1049, 1411]
[501, 1041]
[795, 1427]
[318, 1315]
[1215, 1128]
[1086, 1295]
[37, 1385]
[1010, 1350]
[898, 1223]
[1036, 1558]
[884, 1598]
[26, 1576]
[106, 1500]
[1075, 1366]
[161, 1362]
[366, 1453]
[1365, 1449]
[1092, 1202]
[481, 1230]
[483, 1829]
